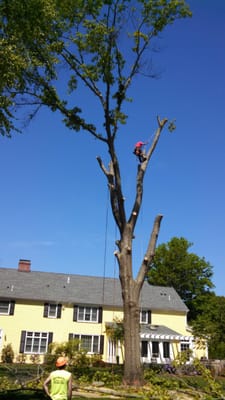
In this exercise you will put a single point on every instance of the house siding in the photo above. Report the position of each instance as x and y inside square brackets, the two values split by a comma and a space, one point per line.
[30, 299]
[173, 320]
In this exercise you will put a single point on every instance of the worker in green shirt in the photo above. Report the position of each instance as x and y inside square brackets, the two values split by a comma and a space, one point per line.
[60, 382]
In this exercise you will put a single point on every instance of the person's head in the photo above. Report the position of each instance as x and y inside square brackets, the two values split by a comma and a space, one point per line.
[61, 362]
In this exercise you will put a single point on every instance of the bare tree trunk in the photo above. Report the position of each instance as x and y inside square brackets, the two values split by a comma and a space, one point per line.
[130, 294]
[131, 287]
[132, 367]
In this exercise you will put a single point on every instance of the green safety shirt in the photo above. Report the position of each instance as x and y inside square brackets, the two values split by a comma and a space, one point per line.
[59, 384]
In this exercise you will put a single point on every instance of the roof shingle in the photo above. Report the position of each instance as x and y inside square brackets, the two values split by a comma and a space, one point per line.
[80, 289]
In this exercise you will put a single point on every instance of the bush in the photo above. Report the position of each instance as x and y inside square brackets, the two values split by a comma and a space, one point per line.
[107, 378]
[21, 358]
[7, 354]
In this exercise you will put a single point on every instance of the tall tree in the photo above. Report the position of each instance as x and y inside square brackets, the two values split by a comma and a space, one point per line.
[173, 265]
[209, 324]
[102, 45]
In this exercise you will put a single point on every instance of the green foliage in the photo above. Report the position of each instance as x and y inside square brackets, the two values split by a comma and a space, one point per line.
[162, 380]
[209, 324]
[182, 358]
[171, 125]
[21, 358]
[96, 360]
[66, 349]
[212, 387]
[157, 385]
[39, 39]
[5, 383]
[72, 351]
[115, 330]
[190, 275]
[152, 391]
[200, 385]
[35, 358]
[108, 378]
[7, 354]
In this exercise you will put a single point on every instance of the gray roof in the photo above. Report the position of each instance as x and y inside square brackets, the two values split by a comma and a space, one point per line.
[161, 332]
[79, 289]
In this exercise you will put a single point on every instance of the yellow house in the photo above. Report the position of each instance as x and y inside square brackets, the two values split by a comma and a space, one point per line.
[37, 308]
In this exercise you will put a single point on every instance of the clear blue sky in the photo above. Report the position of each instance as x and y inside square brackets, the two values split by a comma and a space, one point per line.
[54, 198]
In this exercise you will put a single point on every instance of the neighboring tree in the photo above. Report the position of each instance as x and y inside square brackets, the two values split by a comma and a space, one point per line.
[210, 323]
[190, 275]
[102, 45]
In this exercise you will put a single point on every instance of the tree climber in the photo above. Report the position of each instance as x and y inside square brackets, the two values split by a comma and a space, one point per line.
[139, 152]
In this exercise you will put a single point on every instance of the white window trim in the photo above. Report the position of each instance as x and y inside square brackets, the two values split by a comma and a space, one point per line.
[84, 313]
[56, 310]
[146, 317]
[8, 311]
[92, 342]
[32, 337]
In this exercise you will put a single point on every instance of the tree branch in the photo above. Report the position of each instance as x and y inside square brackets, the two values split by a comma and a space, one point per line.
[113, 191]
[141, 173]
[149, 255]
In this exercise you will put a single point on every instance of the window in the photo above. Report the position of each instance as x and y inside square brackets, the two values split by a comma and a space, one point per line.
[52, 310]
[35, 342]
[145, 317]
[185, 347]
[155, 349]
[166, 349]
[4, 307]
[87, 314]
[89, 343]
[7, 307]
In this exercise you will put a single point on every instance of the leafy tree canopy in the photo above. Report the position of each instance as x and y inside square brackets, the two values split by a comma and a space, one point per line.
[190, 275]
[210, 323]
[87, 39]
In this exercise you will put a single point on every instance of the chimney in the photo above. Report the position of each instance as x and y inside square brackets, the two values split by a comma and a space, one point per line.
[24, 265]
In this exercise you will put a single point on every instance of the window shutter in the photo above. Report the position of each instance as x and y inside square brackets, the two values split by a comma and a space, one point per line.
[22, 341]
[50, 337]
[144, 348]
[75, 309]
[12, 307]
[59, 311]
[45, 314]
[100, 315]
[149, 317]
[101, 344]
[70, 337]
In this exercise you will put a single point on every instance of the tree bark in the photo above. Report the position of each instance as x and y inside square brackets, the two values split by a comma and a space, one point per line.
[131, 287]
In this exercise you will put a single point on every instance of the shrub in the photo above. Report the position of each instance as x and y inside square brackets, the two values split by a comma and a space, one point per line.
[35, 358]
[107, 378]
[7, 354]
[21, 358]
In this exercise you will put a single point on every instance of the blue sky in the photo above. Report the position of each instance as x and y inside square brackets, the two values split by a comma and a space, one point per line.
[54, 201]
